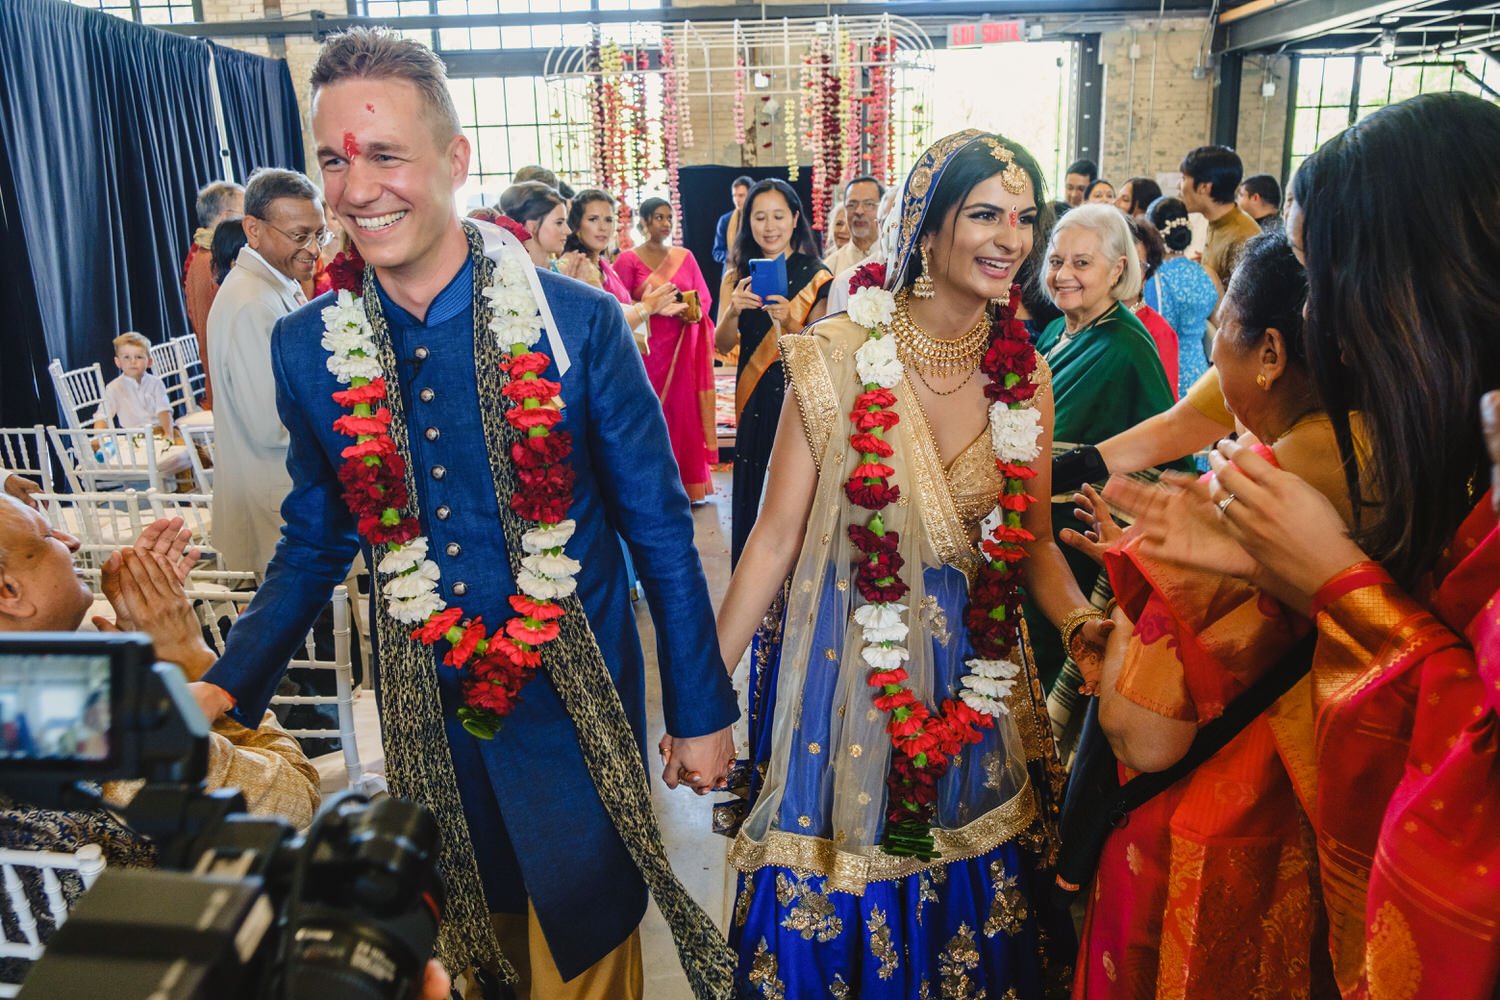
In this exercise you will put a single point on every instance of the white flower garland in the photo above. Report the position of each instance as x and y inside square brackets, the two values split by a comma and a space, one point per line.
[411, 579]
[1015, 436]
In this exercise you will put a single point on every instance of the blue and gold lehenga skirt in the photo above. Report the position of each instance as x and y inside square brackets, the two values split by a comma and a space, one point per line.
[973, 925]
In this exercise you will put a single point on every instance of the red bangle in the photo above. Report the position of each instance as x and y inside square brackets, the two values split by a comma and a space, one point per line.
[1346, 581]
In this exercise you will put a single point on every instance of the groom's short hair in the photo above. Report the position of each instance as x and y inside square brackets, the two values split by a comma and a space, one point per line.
[381, 54]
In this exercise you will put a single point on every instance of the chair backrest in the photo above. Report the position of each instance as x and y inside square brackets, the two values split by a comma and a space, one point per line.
[102, 522]
[215, 607]
[166, 364]
[196, 511]
[38, 896]
[23, 450]
[110, 457]
[190, 366]
[79, 392]
[200, 444]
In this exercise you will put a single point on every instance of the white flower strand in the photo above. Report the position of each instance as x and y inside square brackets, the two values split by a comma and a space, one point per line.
[412, 579]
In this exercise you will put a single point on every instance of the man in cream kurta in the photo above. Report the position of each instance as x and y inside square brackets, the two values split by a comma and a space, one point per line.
[284, 223]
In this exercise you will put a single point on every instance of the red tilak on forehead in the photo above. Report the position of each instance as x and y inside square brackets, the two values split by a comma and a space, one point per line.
[351, 145]
[370, 108]
[1015, 218]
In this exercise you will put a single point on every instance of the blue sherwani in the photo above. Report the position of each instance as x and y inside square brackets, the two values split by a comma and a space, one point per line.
[721, 237]
[537, 824]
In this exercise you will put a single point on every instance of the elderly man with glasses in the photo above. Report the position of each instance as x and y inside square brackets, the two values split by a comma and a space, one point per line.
[285, 229]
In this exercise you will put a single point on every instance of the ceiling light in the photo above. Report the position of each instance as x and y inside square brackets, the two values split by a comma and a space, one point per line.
[1387, 44]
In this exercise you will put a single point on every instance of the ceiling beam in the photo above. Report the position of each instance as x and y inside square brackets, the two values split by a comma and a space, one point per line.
[1292, 21]
[321, 22]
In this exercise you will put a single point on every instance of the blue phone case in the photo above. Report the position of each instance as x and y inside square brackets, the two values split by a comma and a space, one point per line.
[768, 277]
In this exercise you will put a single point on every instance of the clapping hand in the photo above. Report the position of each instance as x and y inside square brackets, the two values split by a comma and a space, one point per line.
[701, 763]
[1102, 532]
[147, 595]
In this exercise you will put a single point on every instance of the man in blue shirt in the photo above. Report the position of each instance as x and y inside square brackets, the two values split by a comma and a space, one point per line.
[723, 239]
[547, 825]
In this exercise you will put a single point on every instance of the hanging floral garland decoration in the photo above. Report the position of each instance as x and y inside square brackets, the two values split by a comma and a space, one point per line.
[685, 137]
[878, 113]
[670, 136]
[598, 154]
[739, 99]
[828, 140]
[639, 155]
[498, 664]
[793, 159]
[924, 739]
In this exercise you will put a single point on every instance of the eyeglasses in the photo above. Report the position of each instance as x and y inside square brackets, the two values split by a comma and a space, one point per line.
[868, 206]
[321, 238]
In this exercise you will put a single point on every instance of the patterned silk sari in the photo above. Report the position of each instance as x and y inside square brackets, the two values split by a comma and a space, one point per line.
[1408, 810]
[680, 364]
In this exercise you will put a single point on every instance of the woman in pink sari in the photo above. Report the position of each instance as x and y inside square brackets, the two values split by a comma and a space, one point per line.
[680, 359]
[591, 226]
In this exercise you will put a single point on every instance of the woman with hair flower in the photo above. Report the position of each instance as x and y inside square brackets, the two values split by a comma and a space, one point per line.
[900, 812]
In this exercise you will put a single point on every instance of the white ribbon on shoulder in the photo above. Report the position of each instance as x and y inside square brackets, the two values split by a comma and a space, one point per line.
[496, 242]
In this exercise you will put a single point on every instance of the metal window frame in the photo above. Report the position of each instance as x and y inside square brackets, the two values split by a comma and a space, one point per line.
[135, 9]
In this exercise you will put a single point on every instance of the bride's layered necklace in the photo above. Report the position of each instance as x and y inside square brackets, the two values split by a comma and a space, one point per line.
[924, 739]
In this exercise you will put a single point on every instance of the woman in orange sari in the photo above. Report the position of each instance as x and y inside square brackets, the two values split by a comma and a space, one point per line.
[1211, 888]
[1408, 777]
[680, 359]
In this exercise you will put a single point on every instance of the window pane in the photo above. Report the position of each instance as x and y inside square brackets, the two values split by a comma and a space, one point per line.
[489, 102]
[1309, 82]
[1338, 81]
[520, 101]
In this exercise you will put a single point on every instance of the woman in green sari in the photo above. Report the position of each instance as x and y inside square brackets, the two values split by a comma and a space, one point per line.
[1106, 373]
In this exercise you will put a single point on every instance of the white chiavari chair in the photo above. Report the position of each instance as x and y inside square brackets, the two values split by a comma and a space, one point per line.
[200, 446]
[39, 905]
[23, 451]
[79, 392]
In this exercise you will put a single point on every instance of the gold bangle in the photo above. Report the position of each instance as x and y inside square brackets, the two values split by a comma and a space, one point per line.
[1076, 619]
[1109, 607]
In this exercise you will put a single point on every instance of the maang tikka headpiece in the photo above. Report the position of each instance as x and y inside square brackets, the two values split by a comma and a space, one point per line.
[1013, 177]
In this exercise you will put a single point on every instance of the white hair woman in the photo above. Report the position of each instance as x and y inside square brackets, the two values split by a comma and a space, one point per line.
[1107, 375]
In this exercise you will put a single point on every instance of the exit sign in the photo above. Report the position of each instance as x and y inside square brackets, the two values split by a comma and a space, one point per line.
[961, 36]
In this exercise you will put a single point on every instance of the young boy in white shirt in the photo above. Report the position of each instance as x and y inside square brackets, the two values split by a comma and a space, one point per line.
[137, 398]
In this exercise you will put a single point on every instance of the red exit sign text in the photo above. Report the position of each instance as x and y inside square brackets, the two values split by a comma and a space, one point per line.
[985, 33]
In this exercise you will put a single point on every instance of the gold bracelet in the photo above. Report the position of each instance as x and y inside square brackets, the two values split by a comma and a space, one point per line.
[1076, 619]
[1109, 607]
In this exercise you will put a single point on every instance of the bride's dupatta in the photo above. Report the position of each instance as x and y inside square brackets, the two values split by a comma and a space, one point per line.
[1409, 790]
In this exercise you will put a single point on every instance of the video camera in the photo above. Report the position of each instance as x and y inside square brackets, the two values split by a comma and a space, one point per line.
[239, 906]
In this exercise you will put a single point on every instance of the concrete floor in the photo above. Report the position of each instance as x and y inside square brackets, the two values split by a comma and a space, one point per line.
[696, 853]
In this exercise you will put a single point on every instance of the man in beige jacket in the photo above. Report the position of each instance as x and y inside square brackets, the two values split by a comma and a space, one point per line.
[285, 228]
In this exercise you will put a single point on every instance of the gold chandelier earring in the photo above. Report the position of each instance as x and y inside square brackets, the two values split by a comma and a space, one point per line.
[923, 287]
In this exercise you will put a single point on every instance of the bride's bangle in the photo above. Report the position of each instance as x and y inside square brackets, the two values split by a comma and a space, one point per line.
[1076, 619]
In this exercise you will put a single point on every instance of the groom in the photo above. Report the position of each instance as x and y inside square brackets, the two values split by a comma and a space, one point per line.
[536, 831]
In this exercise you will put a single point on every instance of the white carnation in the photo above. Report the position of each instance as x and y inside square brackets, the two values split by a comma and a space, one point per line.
[1015, 434]
[989, 686]
[877, 363]
[870, 307]
[885, 657]
[544, 588]
[982, 704]
[889, 633]
[416, 609]
[999, 669]
[549, 536]
[347, 368]
[879, 615]
[419, 581]
[404, 557]
[554, 566]
[510, 330]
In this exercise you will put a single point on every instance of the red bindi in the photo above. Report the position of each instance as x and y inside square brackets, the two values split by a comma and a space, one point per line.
[351, 146]
[370, 108]
[1015, 218]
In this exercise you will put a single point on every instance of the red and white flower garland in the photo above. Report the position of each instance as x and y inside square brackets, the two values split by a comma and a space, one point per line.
[922, 740]
[498, 664]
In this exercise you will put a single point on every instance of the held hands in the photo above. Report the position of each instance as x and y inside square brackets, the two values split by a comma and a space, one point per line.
[701, 763]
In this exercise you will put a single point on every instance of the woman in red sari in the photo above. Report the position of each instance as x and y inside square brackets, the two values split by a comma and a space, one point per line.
[1211, 889]
[1408, 778]
[680, 362]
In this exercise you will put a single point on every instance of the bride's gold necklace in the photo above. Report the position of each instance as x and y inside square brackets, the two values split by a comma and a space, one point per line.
[927, 355]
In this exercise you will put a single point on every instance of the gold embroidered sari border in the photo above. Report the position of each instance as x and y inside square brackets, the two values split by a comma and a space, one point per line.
[817, 400]
[846, 872]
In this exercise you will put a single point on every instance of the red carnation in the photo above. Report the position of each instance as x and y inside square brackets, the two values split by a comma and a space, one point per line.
[379, 534]
[872, 496]
[517, 629]
[868, 420]
[532, 388]
[1010, 471]
[891, 702]
[1017, 501]
[346, 272]
[540, 610]
[525, 420]
[436, 627]
[874, 397]
[463, 649]
[357, 426]
[869, 275]
[528, 659]
[374, 392]
[533, 451]
[881, 678]
[490, 696]
[547, 511]
[530, 363]
[867, 541]
[869, 444]
[513, 227]
[373, 448]
[872, 470]
[882, 594]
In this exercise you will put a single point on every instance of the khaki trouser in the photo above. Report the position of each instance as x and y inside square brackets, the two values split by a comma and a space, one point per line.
[616, 976]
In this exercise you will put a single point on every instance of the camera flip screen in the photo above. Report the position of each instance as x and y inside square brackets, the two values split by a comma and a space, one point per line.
[54, 707]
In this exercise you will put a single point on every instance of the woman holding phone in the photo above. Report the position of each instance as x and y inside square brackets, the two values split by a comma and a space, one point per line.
[680, 357]
[753, 318]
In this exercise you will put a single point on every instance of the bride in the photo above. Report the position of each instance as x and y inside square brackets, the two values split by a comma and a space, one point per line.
[900, 814]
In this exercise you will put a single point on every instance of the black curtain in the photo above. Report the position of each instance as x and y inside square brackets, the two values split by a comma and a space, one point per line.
[260, 111]
[706, 196]
[108, 131]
